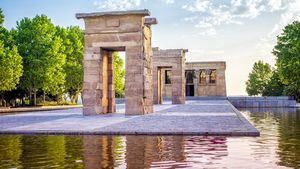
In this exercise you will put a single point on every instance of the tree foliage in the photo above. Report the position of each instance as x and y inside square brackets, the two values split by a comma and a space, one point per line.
[73, 42]
[42, 54]
[275, 86]
[287, 52]
[119, 75]
[1, 17]
[258, 78]
[11, 67]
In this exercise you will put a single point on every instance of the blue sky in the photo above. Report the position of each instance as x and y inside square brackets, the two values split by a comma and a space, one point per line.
[239, 32]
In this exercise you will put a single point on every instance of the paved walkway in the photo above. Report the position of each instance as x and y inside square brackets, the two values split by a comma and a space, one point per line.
[199, 117]
[37, 108]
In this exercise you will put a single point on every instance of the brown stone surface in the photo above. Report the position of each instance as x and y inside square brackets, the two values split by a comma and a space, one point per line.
[217, 89]
[106, 32]
[174, 60]
[207, 89]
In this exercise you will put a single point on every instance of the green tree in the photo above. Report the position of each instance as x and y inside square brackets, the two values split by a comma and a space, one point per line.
[42, 55]
[73, 42]
[11, 68]
[258, 78]
[275, 86]
[287, 52]
[1, 17]
[119, 75]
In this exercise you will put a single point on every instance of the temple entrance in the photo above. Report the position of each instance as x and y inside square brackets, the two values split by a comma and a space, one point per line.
[163, 79]
[109, 32]
[189, 88]
[159, 86]
[169, 64]
[107, 71]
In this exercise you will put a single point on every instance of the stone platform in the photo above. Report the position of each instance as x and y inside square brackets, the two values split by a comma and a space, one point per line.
[197, 117]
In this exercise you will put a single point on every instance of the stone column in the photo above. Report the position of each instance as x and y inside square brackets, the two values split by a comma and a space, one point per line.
[196, 82]
[155, 85]
[178, 82]
[160, 88]
[92, 89]
[134, 81]
[207, 73]
[104, 73]
[111, 85]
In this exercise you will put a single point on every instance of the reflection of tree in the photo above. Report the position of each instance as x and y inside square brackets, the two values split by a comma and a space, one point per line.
[43, 151]
[11, 151]
[56, 150]
[279, 129]
[73, 147]
[289, 140]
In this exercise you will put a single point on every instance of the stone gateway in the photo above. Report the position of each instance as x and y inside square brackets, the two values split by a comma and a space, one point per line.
[108, 32]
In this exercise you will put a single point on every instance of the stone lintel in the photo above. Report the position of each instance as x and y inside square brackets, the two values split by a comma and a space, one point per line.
[150, 21]
[168, 52]
[143, 12]
[212, 64]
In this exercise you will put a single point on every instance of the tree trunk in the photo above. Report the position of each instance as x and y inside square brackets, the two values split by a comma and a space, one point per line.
[30, 97]
[34, 97]
[44, 97]
[2, 100]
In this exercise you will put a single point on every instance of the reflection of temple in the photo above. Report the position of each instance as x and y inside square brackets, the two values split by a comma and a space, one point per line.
[152, 151]
[91, 152]
[101, 151]
[146, 152]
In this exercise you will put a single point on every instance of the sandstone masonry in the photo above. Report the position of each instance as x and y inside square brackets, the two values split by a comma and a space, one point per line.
[108, 32]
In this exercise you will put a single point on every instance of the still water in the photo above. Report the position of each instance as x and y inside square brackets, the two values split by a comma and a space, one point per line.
[277, 147]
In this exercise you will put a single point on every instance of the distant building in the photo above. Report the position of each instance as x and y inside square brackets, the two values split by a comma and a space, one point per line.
[175, 78]
[202, 79]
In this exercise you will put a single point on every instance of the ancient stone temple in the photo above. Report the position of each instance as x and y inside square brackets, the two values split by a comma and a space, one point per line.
[208, 78]
[108, 32]
[201, 79]
[172, 60]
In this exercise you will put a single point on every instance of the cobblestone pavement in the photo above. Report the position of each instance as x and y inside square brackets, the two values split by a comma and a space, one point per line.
[198, 117]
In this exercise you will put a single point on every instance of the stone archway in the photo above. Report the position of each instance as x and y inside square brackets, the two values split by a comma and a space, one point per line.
[173, 59]
[105, 33]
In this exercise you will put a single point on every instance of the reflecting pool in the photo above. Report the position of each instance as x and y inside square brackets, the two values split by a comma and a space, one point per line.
[277, 147]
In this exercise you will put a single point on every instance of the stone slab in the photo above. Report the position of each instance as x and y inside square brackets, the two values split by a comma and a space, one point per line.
[197, 117]
[143, 12]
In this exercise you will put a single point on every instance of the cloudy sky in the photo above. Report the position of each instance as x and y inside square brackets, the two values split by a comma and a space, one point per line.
[239, 32]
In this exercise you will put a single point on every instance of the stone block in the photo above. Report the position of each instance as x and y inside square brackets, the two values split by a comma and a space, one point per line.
[113, 22]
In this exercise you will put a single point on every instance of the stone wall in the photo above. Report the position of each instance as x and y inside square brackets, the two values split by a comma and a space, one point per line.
[217, 89]
[262, 102]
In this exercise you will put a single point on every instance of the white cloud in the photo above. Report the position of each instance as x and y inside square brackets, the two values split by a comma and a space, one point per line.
[110, 5]
[113, 5]
[168, 1]
[197, 6]
[291, 13]
[211, 14]
[208, 32]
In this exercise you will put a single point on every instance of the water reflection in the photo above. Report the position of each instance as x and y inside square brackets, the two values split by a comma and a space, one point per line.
[278, 146]
[280, 134]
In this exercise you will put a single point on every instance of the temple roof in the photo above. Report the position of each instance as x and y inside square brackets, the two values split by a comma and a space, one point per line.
[143, 12]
